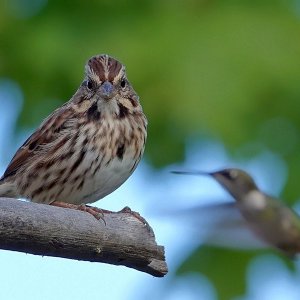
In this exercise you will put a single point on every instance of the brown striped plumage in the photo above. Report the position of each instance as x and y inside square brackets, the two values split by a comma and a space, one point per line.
[86, 148]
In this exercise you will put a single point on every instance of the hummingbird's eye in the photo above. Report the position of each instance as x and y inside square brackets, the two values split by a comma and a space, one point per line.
[226, 174]
[229, 174]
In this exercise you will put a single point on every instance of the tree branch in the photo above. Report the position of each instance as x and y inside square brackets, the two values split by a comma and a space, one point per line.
[52, 231]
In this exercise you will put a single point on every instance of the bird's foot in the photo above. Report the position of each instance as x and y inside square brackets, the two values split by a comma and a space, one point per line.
[96, 212]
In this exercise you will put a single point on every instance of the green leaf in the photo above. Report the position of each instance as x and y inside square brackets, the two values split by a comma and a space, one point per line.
[225, 268]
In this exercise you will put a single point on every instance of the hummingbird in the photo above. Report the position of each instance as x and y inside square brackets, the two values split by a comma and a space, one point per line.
[270, 220]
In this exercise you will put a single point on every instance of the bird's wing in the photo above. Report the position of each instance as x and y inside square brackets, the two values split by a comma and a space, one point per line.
[45, 134]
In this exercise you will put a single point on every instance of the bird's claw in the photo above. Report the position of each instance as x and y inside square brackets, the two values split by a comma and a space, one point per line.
[96, 212]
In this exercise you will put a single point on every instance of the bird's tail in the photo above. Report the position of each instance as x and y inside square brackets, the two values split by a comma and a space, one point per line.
[7, 189]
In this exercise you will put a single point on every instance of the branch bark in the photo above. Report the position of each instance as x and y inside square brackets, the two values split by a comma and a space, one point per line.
[52, 231]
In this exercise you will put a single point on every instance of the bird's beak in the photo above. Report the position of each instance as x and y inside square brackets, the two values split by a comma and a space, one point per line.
[107, 90]
[217, 176]
[214, 174]
[192, 173]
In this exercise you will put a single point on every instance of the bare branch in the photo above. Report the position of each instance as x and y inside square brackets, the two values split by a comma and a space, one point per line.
[52, 231]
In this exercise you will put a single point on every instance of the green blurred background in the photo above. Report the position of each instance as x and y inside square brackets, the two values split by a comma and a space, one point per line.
[225, 70]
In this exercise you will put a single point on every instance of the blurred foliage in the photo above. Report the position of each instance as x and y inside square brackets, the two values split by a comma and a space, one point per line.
[228, 69]
[226, 268]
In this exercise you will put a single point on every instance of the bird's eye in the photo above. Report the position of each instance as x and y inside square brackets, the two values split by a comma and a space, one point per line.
[227, 174]
[123, 83]
[89, 84]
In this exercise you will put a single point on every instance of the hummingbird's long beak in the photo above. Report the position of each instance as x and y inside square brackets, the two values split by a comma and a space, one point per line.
[192, 173]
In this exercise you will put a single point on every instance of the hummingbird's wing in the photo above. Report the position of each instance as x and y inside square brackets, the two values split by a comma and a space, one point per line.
[227, 227]
[217, 223]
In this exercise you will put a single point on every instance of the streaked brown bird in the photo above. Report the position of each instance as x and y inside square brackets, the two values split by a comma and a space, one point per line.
[86, 148]
[270, 219]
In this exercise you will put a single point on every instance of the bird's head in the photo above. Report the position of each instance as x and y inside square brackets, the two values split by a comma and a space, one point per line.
[236, 181]
[107, 88]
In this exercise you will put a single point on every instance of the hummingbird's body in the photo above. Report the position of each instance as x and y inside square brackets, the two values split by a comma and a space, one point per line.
[271, 220]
